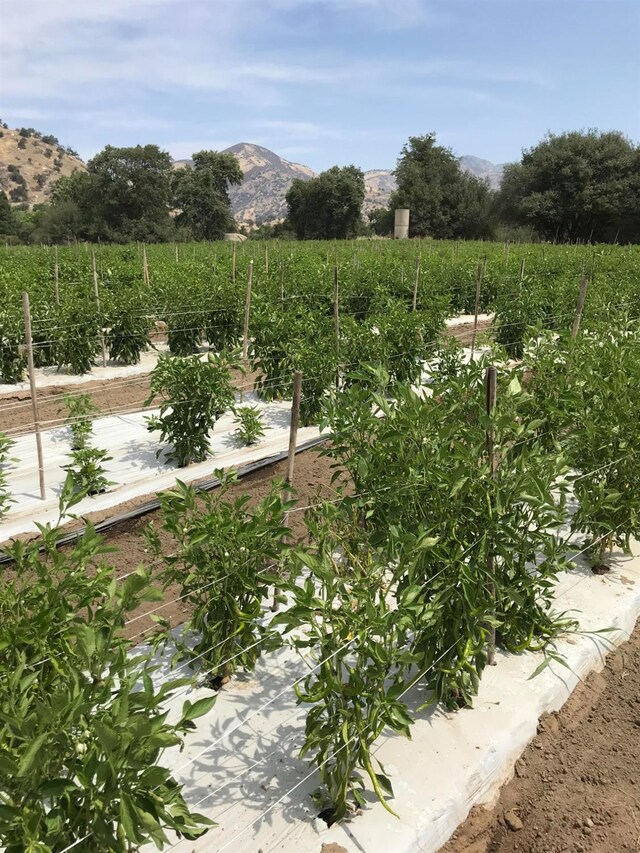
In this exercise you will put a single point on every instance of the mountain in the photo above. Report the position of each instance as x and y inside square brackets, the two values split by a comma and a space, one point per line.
[30, 165]
[483, 169]
[267, 177]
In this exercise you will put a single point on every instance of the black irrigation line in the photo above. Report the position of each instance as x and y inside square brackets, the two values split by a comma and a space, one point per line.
[205, 486]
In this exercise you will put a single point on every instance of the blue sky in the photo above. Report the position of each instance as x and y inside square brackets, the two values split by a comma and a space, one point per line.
[320, 81]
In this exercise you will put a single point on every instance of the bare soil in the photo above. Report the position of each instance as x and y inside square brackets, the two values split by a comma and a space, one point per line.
[121, 395]
[312, 478]
[576, 788]
[110, 396]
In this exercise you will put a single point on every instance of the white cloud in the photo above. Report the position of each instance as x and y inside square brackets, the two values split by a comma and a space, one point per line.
[64, 49]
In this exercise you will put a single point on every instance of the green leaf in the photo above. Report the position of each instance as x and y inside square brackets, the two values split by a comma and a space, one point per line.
[31, 755]
[198, 708]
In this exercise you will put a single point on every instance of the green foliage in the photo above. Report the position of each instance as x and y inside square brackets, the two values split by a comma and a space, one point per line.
[7, 218]
[80, 408]
[13, 361]
[125, 194]
[250, 422]
[576, 186]
[5, 448]
[444, 201]
[223, 559]
[201, 193]
[87, 472]
[588, 391]
[382, 221]
[357, 677]
[194, 394]
[128, 328]
[432, 508]
[283, 345]
[327, 207]
[82, 728]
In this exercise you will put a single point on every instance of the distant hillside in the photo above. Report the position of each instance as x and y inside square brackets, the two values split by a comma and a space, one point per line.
[483, 169]
[30, 165]
[267, 177]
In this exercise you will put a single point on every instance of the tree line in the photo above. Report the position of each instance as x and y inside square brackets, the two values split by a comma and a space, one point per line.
[576, 186]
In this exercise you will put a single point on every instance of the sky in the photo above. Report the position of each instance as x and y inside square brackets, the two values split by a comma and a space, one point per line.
[320, 82]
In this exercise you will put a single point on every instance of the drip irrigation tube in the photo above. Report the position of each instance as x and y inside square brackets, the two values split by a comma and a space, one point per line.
[204, 486]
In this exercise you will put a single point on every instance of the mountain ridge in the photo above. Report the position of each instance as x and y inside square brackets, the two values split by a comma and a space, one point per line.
[30, 165]
[260, 198]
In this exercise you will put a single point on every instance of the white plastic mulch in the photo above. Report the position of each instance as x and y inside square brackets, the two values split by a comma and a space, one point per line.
[241, 767]
[135, 468]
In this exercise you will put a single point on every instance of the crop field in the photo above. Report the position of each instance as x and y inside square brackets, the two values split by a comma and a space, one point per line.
[471, 474]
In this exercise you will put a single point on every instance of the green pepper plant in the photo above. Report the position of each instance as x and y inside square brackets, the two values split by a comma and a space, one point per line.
[194, 393]
[223, 558]
[251, 427]
[82, 728]
[341, 614]
[86, 467]
[432, 503]
[5, 448]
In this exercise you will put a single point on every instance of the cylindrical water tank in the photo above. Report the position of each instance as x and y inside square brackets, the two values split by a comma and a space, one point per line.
[401, 223]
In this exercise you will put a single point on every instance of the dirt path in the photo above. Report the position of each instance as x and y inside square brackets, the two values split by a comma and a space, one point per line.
[119, 394]
[312, 479]
[577, 786]
[111, 396]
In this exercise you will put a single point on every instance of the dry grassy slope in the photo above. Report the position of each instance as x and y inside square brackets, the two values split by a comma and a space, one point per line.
[39, 164]
[267, 177]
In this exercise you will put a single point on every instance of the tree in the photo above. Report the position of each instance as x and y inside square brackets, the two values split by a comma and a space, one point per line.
[124, 195]
[7, 218]
[327, 207]
[444, 201]
[576, 186]
[201, 193]
[382, 219]
[131, 191]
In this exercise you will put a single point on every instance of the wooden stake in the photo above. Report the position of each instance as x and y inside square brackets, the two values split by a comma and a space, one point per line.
[97, 296]
[521, 269]
[175, 245]
[295, 422]
[56, 279]
[581, 300]
[479, 275]
[266, 260]
[145, 266]
[414, 304]
[336, 320]
[233, 264]
[32, 384]
[491, 454]
[282, 280]
[291, 456]
[247, 309]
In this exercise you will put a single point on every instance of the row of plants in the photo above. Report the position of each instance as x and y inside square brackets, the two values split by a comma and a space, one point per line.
[439, 547]
[199, 299]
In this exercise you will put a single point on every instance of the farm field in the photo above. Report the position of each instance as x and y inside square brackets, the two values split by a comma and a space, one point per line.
[461, 498]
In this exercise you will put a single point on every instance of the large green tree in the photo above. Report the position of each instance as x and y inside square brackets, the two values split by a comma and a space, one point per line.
[444, 201]
[125, 194]
[201, 193]
[576, 186]
[327, 207]
[7, 219]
